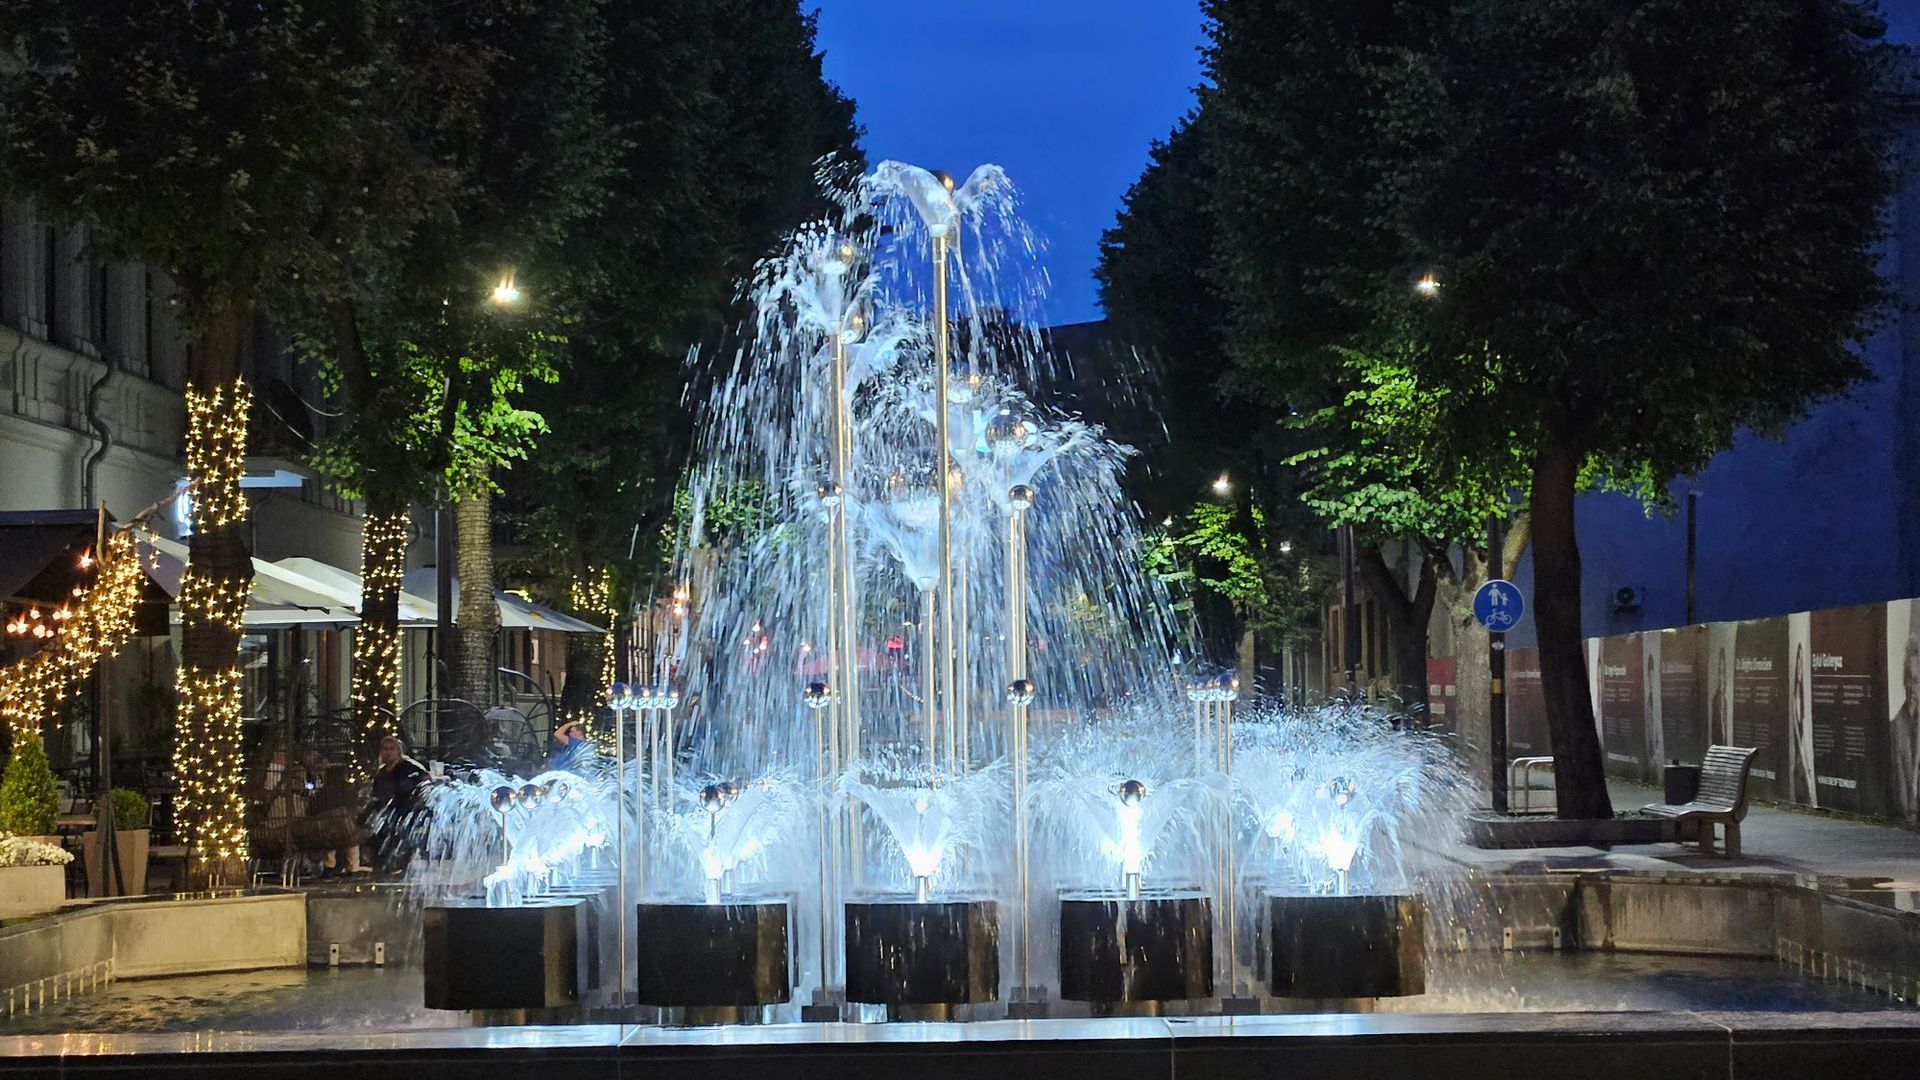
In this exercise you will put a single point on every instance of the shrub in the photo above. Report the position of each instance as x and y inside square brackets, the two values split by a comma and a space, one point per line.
[29, 801]
[131, 810]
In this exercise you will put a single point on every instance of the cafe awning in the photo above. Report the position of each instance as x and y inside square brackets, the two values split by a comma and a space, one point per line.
[280, 597]
[516, 612]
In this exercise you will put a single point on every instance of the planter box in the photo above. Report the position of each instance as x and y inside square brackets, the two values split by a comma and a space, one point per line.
[1493, 831]
[133, 862]
[31, 890]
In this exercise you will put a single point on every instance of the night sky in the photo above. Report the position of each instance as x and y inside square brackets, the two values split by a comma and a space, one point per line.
[1066, 94]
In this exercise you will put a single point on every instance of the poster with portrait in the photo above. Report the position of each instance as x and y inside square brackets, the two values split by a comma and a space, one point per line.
[1682, 694]
[1759, 700]
[1903, 709]
[1623, 706]
[1526, 706]
[1843, 729]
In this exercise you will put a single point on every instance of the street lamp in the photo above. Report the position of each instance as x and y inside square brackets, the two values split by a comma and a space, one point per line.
[1223, 486]
[1286, 547]
[1428, 286]
[506, 294]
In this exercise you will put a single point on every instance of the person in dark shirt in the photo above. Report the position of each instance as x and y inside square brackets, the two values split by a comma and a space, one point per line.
[390, 813]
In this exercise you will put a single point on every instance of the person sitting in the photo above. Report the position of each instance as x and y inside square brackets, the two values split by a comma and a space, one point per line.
[332, 824]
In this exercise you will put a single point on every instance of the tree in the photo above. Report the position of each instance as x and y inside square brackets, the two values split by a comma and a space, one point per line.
[720, 113]
[204, 140]
[1157, 288]
[1377, 464]
[1647, 226]
[429, 344]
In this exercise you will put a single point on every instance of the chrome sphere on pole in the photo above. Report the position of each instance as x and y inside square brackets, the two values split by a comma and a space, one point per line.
[829, 493]
[1228, 686]
[503, 797]
[1020, 497]
[530, 795]
[818, 695]
[1021, 692]
[1131, 792]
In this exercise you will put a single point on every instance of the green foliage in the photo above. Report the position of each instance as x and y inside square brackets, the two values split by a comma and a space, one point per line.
[1652, 223]
[1208, 549]
[29, 799]
[1377, 460]
[1213, 550]
[718, 112]
[131, 810]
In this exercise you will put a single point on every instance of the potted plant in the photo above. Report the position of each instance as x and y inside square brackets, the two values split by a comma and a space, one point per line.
[33, 876]
[132, 816]
[29, 799]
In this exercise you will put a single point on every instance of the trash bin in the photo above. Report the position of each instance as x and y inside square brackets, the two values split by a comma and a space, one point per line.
[1682, 783]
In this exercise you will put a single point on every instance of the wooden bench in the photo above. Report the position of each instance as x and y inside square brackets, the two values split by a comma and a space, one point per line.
[1722, 799]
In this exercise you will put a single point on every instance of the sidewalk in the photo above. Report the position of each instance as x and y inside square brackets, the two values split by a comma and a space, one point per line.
[1772, 841]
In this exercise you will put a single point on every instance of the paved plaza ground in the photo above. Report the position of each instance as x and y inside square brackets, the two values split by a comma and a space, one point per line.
[1773, 840]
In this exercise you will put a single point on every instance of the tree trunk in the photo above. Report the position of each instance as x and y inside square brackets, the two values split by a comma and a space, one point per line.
[376, 640]
[1580, 784]
[213, 599]
[479, 615]
[1407, 622]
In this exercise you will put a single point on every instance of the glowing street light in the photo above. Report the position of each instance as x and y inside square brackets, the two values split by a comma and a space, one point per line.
[506, 294]
[1223, 486]
[1428, 286]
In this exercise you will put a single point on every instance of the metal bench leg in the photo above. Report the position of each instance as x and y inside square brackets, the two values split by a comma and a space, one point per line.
[1733, 839]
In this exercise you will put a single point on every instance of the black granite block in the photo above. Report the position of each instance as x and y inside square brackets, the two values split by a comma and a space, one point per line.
[523, 956]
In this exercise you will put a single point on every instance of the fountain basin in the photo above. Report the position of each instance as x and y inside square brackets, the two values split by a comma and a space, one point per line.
[596, 898]
[710, 955]
[1155, 948]
[904, 952]
[1346, 946]
[522, 956]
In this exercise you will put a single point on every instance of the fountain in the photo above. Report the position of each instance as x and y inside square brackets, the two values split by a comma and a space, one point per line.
[728, 950]
[1336, 796]
[1126, 947]
[914, 717]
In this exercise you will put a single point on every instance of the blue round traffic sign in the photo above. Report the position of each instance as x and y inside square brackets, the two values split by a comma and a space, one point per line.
[1498, 606]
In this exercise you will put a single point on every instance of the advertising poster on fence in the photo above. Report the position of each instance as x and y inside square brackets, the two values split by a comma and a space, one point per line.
[1845, 725]
[1526, 705]
[1623, 706]
[1682, 663]
[1903, 707]
[1758, 689]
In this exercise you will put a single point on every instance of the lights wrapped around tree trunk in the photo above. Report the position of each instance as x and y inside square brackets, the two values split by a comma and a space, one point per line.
[97, 624]
[207, 760]
[592, 596]
[376, 646]
[209, 809]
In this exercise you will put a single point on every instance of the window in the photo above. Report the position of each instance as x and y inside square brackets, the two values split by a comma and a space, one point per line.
[97, 308]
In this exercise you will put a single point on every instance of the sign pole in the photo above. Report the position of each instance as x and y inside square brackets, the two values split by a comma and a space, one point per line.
[1497, 676]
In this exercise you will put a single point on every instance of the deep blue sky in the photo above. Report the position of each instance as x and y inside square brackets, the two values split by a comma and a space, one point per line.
[1066, 94]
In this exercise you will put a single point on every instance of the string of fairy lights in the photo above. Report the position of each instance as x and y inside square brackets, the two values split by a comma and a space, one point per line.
[376, 646]
[207, 758]
[592, 595]
[94, 624]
